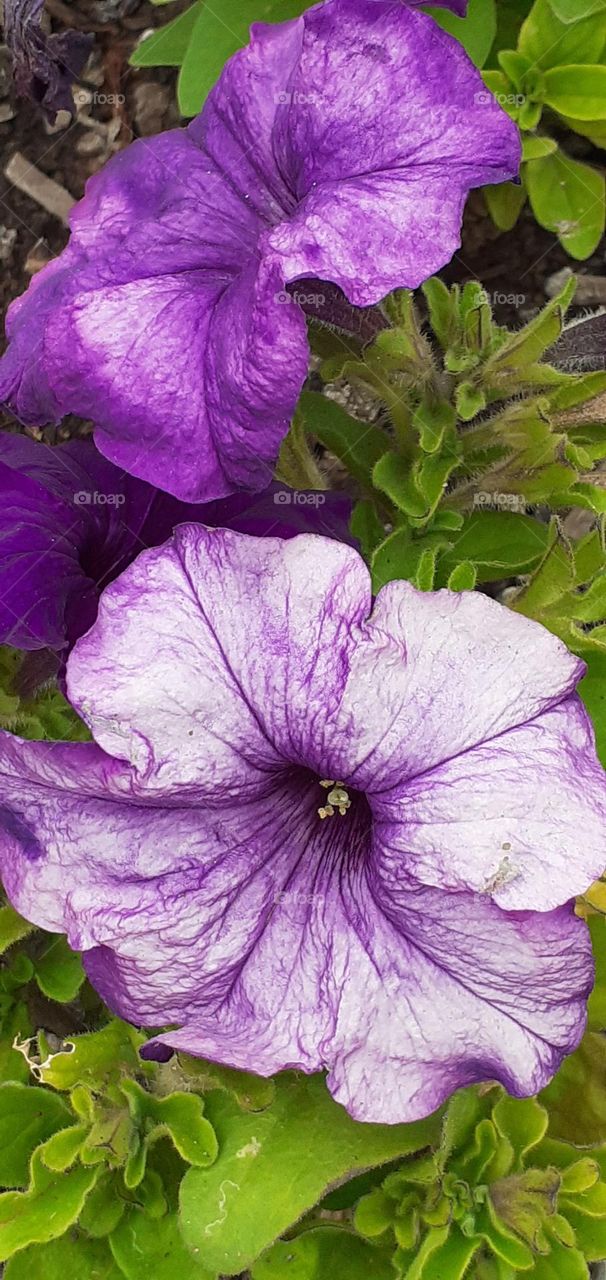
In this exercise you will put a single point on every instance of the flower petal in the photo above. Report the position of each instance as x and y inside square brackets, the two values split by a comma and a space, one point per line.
[457, 669]
[354, 145]
[487, 820]
[160, 324]
[270, 950]
[269, 663]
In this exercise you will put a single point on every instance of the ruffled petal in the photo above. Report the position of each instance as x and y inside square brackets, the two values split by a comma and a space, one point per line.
[487, 819]
[202, 677]
[357, 147]
[162, 326]
[269, 940]
[457, 670]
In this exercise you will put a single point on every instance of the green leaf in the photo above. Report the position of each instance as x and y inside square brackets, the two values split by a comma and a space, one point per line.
[147, 1249]
[497, 543]
[528, 344]
[28, 1116]
[179, 1116]
[324, 1252]
[463, 578]
[358, 445]
[505, 202]
[593, 692]
[572, 10]
[253, 1093]
[104, 1206]
[534, 146]
[274, 1166]
[94, 1058]
[219, 30]
[366, 526]
[168, 46]
[12, 928]
[400, 557]
[575, 1099]
[393, 476]
[568, 198]
[432, 420]
[73, 1257]
[548, 41]
[46, 1210]
[452, 1258]
[15, 1026]
[58, 970]
[476, 32]
[577, 91]
[443, 311]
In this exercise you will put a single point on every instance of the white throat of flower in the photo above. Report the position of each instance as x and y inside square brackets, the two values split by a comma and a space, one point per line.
[337, 799]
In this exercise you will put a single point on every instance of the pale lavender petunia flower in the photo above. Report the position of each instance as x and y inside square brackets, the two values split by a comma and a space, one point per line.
[417, 938]
[339, 147]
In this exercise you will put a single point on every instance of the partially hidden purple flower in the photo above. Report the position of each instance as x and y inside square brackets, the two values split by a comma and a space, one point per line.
[44, 66]
[70, 522]
[316, 832]
[337, 147]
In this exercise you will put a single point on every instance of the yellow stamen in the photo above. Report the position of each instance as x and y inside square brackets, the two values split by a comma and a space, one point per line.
[337, 799]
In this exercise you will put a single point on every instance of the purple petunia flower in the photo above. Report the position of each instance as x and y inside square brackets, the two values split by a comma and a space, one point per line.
[44, 66]
[337, 147]
[70, 522]
[317, 832]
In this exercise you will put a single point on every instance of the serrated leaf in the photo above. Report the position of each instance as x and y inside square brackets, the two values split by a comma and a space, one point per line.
[325, 1251]
[568, 198]
[73, 1257]
[273, 1166]
[46, 1210]
[28, 1116]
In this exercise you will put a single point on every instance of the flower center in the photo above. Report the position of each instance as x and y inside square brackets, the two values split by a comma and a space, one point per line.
[337, 799]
